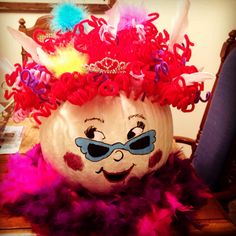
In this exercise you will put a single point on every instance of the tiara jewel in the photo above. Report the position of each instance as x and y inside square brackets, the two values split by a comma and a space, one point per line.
[107, 65]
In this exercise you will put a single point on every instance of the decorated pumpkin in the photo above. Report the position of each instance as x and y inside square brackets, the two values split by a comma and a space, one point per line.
[102, 147]
[101, 95]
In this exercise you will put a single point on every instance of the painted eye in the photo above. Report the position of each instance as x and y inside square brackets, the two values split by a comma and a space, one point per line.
[136, 130]
[92, 133]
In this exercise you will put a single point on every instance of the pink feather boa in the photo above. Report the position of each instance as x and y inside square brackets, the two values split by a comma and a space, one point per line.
[148, 206]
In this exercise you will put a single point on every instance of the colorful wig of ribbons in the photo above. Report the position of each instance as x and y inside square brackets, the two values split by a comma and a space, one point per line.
[92, 57]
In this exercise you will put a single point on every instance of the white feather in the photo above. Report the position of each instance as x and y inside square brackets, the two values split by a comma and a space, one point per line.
[44, 58]
[5, 66]
[197, 77]
[180, 24]
[113, 15]
[26, 42]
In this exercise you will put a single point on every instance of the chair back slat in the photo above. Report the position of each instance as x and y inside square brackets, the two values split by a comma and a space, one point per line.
[219, 130]
[42, 23]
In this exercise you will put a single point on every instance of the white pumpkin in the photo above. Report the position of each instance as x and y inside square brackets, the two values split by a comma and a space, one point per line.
[107, 141]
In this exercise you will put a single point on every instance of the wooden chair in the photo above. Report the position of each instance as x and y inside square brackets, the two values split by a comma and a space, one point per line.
[43, 23]
[213, 150]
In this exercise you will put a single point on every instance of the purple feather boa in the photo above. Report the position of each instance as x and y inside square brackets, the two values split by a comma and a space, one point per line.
[145, 206]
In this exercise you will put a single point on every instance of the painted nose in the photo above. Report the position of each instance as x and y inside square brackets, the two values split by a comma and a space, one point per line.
[118, 155]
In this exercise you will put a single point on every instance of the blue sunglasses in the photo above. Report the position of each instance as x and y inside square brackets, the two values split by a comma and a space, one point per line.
[96, 150]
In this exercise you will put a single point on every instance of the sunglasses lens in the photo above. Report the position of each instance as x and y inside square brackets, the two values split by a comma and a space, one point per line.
[140, 143]
[96, 151]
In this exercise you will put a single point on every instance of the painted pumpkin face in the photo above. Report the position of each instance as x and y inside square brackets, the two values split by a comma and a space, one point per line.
[107, 141]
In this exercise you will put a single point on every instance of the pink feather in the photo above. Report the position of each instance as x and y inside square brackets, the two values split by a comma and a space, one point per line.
[130, 16]
[175, 204]
[123, 14]
[26, 177]
[154, 223]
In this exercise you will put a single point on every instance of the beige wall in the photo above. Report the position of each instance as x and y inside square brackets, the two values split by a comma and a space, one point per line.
[209, 24]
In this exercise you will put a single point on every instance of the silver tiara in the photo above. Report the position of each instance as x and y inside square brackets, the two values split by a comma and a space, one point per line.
[107, 66]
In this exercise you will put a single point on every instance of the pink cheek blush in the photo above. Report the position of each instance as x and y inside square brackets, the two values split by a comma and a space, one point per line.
[73, 161]
[155, 158]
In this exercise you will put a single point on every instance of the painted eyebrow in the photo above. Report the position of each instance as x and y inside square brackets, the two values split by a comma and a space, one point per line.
[137, 115]
[94, 118]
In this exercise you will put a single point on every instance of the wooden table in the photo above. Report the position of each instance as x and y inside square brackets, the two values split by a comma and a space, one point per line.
[211, 216]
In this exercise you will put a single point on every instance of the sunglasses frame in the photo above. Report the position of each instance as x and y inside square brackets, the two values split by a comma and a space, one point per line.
[83, 144]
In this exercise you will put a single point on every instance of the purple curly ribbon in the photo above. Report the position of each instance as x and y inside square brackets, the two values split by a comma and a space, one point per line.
[31, 81]
[184, 60]
[161, 65]
[198, 97]
[104, 77]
